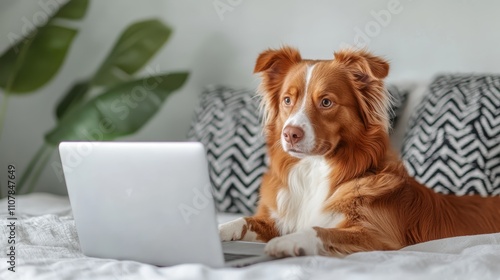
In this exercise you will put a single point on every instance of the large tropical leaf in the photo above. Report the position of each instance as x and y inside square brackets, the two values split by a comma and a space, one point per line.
[120, 111]
[136, 45]
[74, 9]
[71, 99]
[131, 52]
[32, 62]
[40, 57]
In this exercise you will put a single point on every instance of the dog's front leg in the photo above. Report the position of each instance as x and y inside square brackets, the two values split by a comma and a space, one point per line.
[325, 241]
[259, 229]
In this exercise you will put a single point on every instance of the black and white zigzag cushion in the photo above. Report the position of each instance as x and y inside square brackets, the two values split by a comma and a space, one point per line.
[453, 141]
[227, 122]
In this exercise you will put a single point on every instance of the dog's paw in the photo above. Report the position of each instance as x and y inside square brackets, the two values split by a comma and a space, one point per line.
[302, 243]
[232, 230]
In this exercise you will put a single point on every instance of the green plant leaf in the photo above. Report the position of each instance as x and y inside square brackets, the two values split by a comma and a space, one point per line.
[74, 9]
[135, 47]
[120, 111]
[44, 55]
[71, 99]
[33, 61]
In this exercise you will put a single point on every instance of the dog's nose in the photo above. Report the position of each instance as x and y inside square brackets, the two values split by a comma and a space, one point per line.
[293, 134]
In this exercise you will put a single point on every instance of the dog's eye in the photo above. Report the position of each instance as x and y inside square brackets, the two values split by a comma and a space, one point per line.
[326, 103]
[287, 101]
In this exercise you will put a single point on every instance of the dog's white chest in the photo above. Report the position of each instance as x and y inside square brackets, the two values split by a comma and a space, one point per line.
[301, 205]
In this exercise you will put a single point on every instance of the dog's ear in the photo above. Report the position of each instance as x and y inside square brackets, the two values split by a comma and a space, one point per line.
[365, 66]
[368, 72]
[273, 65]
[272, 60]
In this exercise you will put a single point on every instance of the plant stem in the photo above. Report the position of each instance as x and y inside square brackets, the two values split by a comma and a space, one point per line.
[45, 158]
[8, 87]
[33, 163]
[3, 111]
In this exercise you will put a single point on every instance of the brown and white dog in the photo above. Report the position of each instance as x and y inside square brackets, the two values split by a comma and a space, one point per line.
[333, 187]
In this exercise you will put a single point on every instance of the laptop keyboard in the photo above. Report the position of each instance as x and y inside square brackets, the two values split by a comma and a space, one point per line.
[231, 257]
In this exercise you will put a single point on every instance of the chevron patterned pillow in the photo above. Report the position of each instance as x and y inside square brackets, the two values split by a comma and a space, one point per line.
[227, 122]
[453, 141]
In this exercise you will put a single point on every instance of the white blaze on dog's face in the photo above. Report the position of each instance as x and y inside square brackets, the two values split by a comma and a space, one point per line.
[297, 137]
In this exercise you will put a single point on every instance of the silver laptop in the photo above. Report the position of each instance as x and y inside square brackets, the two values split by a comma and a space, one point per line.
[149, 202]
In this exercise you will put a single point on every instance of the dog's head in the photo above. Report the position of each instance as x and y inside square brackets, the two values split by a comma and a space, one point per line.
[324, 107]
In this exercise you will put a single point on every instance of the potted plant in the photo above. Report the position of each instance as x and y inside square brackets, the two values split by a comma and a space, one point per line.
[123, 103]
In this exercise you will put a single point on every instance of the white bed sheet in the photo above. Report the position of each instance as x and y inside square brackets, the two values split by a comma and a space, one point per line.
[47, 248]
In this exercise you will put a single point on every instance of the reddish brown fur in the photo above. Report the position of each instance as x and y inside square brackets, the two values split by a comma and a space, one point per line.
[263, 225]
[384, 208]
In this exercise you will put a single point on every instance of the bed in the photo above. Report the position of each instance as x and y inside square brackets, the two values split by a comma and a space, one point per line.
[47, 244]
[47, 248]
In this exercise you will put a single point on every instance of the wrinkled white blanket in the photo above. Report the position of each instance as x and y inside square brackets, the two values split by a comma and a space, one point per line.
[47, 248]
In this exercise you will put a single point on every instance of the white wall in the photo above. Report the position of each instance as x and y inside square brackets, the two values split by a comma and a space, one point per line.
[420, 39]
